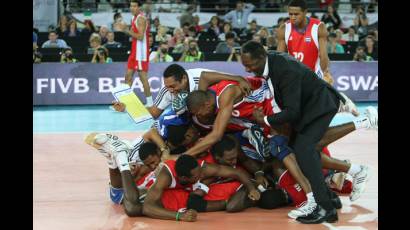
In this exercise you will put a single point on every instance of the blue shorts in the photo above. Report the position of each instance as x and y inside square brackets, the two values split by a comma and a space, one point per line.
[279, 146]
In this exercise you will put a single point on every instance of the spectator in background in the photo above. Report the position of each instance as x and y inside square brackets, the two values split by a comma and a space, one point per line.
[226, 29]
[264, 33]
[161, 55]
[235, 52]
[162, 35]
[192, 53]
[88, 29]
[103, 33]
[331, 18]
[62, 26]
[111, 43]
[192, 32]
[101, 56]
[95, 43]
[253, 29]
[154, 26]
[35, 38]
[198, 27]
[185, 29]
[239, 17]
[178, 38]
[360, 55]
[351, 35]
[281, 21]
[370, 47]
[375, 34]
[118, 22]
[72, 29]
[67, 56]
[339, 38]
[361, 22]
[214, 30]
[53, 41]
[271, 43]
[228, 45]
[257, 38]
[187, 17]
[333, 47]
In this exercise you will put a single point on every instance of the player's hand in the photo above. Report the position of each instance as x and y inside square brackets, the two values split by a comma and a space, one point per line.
[118, 106]
[254, 194]
[328, 77]
[261, 180]
[245, 86]
[258, 115]
[189, 216]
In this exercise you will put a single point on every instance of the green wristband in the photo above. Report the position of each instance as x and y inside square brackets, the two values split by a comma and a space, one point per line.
[177, 216]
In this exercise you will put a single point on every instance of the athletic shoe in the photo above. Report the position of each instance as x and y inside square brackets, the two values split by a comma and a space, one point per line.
[336, 180]
[304, 209]
[108, 144]
[348, 106]
[359, 182]
[373, 115]
[259, 141]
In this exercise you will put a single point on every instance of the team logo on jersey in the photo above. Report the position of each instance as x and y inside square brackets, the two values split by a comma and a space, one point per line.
[308, 39]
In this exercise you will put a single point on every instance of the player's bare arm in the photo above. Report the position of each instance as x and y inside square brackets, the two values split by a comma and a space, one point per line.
[209, 78]
[141, 24]
[281, 39]
[324, 58]
[215, 170]
[153, 206]
[153, 136]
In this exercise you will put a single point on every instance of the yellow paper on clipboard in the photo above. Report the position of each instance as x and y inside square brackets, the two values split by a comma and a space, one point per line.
[134, 107]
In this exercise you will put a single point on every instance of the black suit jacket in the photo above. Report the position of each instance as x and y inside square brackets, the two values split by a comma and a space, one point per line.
[299, 92]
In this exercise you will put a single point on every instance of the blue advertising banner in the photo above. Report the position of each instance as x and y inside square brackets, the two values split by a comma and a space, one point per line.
[87, 83]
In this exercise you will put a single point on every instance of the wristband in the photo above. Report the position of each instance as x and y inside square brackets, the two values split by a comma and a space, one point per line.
[199, 185]
[177, 216]
[259, 172]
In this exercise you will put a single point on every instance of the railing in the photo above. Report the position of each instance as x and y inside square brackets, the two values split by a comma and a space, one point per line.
[219, 7]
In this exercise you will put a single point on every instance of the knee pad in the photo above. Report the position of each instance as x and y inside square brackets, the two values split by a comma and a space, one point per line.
[196, 202]
[116, 195]
[279, 147]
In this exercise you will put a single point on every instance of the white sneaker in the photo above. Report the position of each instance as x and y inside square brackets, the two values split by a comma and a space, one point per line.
[359, 182]
[305, 209]
[348, 106]
[108, 145]
[373, 115]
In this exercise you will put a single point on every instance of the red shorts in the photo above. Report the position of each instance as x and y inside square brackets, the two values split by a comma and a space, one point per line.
[137, 65]
[176, 199]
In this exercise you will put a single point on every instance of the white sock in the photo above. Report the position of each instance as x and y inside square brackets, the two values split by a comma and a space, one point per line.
[122, 161]
[354, 169]
[149, 100]
[361, 123]
[310, 197]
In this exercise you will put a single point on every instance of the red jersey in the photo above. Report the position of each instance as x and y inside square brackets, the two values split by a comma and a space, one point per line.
[139, 56]
[261, 96]
[305, 46]
[170, 165]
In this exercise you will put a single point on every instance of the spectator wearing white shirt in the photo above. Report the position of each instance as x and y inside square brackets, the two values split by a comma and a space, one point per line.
[239, 17]
[351, 35]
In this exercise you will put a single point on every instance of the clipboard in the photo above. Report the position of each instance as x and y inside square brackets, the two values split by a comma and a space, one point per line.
[134, 107]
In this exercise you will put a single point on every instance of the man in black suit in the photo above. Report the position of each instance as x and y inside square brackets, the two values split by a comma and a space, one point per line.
[308, 104]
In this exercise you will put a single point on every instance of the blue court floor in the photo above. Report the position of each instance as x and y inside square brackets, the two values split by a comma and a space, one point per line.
[88, 118]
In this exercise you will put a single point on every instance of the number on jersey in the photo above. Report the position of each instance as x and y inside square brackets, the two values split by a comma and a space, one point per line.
[299, 56]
